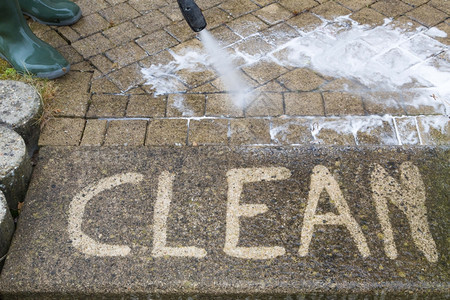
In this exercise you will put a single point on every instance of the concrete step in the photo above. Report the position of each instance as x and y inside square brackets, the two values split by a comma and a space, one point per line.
[219, 222]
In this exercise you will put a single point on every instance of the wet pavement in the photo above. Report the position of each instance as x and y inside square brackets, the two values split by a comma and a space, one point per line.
[153, 180]
[105, 96]
[215, 221]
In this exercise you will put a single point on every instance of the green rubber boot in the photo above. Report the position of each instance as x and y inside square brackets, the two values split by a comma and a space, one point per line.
[51, 12]
[22, 49]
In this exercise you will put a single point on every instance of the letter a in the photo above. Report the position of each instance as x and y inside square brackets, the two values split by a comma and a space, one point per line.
[322, 179]
[409, 197]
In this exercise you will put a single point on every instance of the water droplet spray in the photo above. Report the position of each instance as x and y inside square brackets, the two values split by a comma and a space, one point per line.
[218, 57]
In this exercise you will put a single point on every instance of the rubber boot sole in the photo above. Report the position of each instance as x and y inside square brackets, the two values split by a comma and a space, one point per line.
[63, 23]
[47, 75]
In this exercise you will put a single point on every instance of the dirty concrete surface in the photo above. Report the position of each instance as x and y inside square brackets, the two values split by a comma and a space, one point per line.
[311, 148]
[243, 220]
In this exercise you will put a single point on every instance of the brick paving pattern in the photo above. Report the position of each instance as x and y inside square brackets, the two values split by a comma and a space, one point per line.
[104, 101]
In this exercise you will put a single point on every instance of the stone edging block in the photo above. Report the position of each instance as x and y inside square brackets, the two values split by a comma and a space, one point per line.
[15, 166]
[20, 108]
[6, 226]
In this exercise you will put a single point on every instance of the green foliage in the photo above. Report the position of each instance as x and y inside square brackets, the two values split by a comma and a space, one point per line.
[6, 72]
[9, 73]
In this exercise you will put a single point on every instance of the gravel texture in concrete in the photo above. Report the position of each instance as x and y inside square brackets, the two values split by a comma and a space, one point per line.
[212, 221]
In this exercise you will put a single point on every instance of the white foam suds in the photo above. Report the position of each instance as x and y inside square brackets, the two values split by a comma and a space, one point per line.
[352, 125]
[436, 32]
[164, 79]
[178, 103]
[389, 130]
[434, 122]
[381, 59]
[407, 130]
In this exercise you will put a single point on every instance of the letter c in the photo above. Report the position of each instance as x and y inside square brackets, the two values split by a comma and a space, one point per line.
[80, 240]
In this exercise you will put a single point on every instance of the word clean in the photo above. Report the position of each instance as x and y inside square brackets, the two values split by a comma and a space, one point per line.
[407, 194]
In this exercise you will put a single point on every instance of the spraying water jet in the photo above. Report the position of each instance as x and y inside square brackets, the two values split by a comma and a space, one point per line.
[192, 14]
[217, 56]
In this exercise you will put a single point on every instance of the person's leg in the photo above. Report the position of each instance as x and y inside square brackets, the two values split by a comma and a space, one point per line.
[51, 12]
[22, 49]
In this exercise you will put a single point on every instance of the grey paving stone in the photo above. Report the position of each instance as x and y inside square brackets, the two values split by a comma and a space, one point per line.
[20, 108]
[15, 166]
[206, 222]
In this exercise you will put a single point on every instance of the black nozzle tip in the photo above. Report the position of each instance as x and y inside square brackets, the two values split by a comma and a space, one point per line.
[192, 14]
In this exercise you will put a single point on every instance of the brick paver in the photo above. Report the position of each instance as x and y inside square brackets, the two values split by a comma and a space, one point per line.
[114, 40]
[126, 133]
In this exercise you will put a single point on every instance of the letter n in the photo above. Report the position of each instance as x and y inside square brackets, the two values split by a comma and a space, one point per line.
[409, 197]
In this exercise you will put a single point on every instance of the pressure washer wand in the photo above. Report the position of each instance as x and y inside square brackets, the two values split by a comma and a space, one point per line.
[192, 14]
